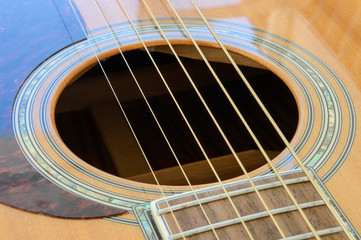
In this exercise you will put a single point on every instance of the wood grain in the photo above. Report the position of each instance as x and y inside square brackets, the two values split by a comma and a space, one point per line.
[329, 30]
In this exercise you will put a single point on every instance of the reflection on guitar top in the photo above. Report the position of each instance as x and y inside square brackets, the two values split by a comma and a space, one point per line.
[180, 120]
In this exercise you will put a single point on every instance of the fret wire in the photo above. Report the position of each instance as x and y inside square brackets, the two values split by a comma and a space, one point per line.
[280, 133]
[122, 110]
[232, 194]
[149, 106]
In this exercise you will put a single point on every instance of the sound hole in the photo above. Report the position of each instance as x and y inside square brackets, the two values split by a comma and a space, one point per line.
[92, 125]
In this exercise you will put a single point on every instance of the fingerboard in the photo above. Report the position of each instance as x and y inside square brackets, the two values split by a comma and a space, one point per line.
[181, 216]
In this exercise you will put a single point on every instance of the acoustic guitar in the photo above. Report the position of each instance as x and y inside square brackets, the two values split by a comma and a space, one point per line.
[192, 119]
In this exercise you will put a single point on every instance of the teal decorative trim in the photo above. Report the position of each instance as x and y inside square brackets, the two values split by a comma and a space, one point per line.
[253, 40]
[122, 220]
[146, 222]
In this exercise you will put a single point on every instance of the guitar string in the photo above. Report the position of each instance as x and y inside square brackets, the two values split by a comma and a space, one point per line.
[127, 15]
[213, 118]
[125, 116]
[249, 130]
[181, 111]
[143, 96]
[262, 150]
[130, 21]
[274, 124]
[201, 98]
[148, 104]
[115, 94]
[186, 121]
[259, 145]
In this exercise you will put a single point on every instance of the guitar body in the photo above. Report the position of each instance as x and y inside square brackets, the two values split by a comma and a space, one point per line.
[47, 192]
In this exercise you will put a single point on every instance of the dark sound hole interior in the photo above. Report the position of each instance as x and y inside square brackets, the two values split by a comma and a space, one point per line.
[92, 125]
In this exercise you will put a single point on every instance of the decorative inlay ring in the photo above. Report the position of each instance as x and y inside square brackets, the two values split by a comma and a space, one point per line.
[32, 115]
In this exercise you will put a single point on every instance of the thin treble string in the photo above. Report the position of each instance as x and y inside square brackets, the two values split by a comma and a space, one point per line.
[181, 112]
[274, 124]
[223, 134]
[249, 129]
[127, 120]
[150, 108]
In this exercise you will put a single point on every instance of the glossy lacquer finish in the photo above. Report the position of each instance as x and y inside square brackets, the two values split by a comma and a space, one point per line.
[313, 46]
[30, 33]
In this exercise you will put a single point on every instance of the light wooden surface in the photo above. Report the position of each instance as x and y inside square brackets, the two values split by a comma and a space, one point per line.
[328, 29]
[18, 224]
